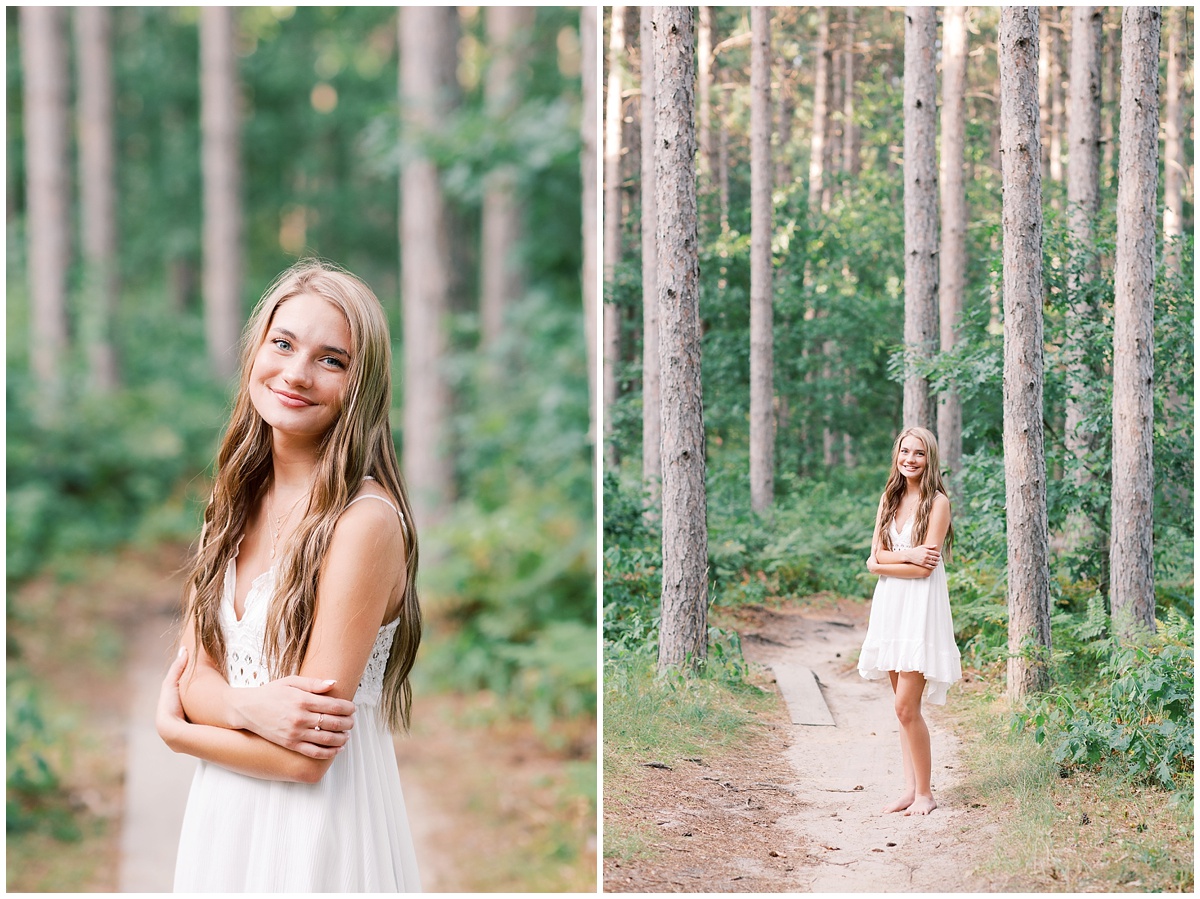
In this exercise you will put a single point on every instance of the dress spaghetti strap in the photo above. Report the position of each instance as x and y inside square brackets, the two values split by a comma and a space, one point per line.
[382, 499]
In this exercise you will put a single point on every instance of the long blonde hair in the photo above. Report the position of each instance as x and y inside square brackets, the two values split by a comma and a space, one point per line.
[358, 444]
[930, 486]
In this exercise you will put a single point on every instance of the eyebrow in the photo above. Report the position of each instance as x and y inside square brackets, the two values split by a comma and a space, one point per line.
[325, 349]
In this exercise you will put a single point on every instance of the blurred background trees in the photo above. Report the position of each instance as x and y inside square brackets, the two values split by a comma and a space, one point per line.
[213, 149]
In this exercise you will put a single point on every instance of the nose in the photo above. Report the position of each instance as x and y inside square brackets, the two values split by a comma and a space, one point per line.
[296, 370]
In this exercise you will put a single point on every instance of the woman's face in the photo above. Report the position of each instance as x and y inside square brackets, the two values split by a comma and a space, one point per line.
[299, 376]
[911, 459]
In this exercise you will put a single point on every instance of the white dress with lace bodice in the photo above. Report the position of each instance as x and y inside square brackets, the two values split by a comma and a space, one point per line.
[347, 833]
[911, 628]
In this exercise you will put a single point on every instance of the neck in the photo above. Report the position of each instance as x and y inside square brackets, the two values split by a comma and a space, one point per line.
[292, 463]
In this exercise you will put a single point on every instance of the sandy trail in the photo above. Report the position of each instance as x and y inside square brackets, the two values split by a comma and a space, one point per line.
[845, 774]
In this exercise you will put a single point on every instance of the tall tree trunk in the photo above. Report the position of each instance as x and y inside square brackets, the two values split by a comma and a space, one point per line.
[1111, 95]
[708, 161]
[220, 125]
[786, 114]
[850, 161]
[93, 42]
[651, 379]
[1173, 161]
[428, 41]
[683, 632]
[1057, 106]
[44, 61]
[723, 163]
[920, 208]
[816, 161]
[1083, 201]
[612, 219]
[953, 256]
[588, 37]
[1131, 556]
[762, 347]
[1044, 91]
[501, 278]
[1024, 456]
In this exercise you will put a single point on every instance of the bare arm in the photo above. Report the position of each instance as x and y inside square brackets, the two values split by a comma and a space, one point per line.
[919, 561]
[364, 561]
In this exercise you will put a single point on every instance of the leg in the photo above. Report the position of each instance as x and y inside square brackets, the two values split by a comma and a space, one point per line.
[906, 798]
[909, 688]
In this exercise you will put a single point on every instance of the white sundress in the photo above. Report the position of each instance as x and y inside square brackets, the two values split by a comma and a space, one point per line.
[911, 628]
[347, 833]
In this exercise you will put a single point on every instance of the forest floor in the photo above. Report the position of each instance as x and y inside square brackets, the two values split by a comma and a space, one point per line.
[485, 793]
[800, 809]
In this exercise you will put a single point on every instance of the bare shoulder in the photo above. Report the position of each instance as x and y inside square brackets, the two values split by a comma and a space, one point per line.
[941, 502]
[369, 525]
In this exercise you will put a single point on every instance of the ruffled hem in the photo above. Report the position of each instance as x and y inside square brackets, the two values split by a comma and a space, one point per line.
[941, 669]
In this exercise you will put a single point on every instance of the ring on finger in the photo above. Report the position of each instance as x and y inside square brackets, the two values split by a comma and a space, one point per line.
[319, 718]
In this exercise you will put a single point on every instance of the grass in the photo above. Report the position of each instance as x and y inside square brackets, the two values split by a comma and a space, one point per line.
[1086, 832]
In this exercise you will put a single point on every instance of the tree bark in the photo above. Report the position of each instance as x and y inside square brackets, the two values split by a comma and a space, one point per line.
[683, 632]
[1083, 201]
[97, 187]
[501, 278]
[428, 41]
[651, 381]
[762, 349]
[1173, 160]
[612, 219]
[220, 124]
[816, 162]
[708, 160]
[920, 209]
[588, 158]
[953, 255]
[1024, 456]
[1131, 556]
[44, 61]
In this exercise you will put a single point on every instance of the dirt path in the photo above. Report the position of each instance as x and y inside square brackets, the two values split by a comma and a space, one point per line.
[800, 809]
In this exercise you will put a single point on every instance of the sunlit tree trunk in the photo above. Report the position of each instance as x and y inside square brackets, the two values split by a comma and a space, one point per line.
[683, 631]
[1083, 200]
[220, 125]
[612, 218]
[707, 161]
[920, 208]
[1111, 95]
[428, 87]
[953, 256]
[1024, 456]
[44, 63]
[97, 188]
[1131, 557]
[651, 389]
[588, 37]
[501, 278]
[816, 161]
[1057, 106]
[762, 323]
[1173, 160]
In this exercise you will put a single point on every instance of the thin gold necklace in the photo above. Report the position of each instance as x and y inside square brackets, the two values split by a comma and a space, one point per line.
[278, 521]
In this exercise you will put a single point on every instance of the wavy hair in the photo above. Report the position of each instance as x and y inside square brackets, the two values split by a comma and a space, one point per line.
[358, 444]
[930, 486]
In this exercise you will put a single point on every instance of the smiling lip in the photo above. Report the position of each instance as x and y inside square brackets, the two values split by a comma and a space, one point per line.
[291, 399]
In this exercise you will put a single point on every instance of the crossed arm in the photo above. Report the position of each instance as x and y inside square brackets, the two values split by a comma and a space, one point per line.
[267, 732]
[919, 561]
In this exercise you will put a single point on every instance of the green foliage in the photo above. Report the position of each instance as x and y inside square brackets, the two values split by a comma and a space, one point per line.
[1136, 716]
[34, 795]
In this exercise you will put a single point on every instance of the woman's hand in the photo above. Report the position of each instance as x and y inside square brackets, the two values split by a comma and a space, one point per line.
[292, 713]
[927, 556]
[168, 717]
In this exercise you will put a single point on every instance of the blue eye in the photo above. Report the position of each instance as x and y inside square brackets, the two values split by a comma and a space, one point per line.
[335, 362]
[281, 343]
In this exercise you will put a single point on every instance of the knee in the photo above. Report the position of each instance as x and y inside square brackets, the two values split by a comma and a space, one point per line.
[907, 711]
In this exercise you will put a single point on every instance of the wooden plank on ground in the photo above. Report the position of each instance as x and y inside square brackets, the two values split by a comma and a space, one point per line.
[802, 694]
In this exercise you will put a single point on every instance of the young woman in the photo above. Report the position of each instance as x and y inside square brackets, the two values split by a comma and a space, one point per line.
[910, 637]
[301, 618]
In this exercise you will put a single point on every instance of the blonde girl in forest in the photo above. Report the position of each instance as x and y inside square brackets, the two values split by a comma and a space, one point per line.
[301, 618]
[910, 637]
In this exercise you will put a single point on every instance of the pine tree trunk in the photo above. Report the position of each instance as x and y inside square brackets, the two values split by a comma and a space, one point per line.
[1044, 91]
[683, 632]
[816, 162]
[1024, 456]
[590, 96]
[762, 347]
[612, 219]
[1057, 106]
[220, 125]
[707, 161]
[850, 161]
[97, 188]
[1111, 96]
[44, 61]
[651, 378]
[920, 208]
[428, 41]
[953, 255]
[723, 165]
[501, 278]
[786, 115]
[1173, 161]
[1083, 200]
[1131, 556]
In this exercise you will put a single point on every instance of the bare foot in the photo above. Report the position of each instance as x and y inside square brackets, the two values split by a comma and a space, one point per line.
[900, 804]
[922, 805]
